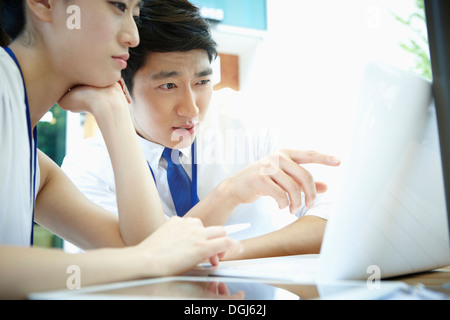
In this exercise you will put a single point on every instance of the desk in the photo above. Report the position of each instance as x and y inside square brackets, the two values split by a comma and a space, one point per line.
[434, 278]
[214, 287]
[437, 280]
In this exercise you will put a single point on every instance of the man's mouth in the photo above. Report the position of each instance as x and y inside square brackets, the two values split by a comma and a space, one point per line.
[184, 131]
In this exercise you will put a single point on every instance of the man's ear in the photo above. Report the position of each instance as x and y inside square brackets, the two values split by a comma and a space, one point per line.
[41, 9]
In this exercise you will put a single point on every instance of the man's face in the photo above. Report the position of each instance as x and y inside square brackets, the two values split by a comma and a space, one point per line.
[171, 95]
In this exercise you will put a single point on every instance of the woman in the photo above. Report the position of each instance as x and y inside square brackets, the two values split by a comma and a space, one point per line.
[79, 68]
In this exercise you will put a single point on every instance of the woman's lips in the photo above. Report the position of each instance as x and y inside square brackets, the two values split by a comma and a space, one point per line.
[122, 60]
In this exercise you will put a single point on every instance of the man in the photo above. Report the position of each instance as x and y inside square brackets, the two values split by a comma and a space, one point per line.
[169, 76]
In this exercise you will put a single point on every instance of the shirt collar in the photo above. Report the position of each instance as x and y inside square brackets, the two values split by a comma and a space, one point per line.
[153, 152]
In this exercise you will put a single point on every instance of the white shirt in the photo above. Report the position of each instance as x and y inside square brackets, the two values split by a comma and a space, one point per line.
[16, 203]
[224, 146]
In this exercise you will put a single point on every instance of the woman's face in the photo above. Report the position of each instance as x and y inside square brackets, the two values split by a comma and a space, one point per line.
[88, 40]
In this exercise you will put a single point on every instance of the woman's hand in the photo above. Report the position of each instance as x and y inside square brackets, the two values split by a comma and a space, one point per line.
[95, 100]
[182, 243]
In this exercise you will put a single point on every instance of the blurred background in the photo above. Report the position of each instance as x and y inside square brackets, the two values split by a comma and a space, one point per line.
[297, 65]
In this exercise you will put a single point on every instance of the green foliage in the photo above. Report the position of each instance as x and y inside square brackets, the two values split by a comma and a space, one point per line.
[52, 135]
[52, 141]
[418, 46]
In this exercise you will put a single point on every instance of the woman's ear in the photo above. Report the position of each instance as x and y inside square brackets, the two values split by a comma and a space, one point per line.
[42, 9]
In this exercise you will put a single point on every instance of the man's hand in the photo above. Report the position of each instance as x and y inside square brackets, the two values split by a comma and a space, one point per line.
[282, 177]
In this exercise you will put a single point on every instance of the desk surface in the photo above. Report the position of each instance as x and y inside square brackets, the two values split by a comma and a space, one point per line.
[433, 278]
[197, 287]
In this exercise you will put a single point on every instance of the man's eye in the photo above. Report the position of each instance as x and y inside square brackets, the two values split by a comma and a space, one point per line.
[168, 86]
[204, 81]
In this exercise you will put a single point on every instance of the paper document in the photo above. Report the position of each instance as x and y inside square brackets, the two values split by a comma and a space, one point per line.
[301, 268]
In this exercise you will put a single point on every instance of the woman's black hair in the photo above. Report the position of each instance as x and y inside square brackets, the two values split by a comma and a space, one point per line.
[12, 20]
[168, 26]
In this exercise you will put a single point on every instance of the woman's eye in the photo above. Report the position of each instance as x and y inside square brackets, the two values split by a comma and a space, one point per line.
[120, 5]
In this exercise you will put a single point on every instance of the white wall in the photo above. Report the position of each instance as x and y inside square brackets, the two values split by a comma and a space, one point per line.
[302, 75]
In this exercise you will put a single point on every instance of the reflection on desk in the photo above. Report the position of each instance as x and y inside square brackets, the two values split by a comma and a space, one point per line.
[185, 288]
[213, 288]
[282, 278]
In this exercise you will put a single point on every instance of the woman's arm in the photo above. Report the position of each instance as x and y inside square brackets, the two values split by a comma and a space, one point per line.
[64, 210]
[174, 249]
[139, 206]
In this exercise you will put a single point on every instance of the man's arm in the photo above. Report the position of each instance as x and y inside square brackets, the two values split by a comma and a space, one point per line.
[279, 176]
[303, 236]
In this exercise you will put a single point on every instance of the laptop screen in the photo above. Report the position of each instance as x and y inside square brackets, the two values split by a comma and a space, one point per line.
[391, 212]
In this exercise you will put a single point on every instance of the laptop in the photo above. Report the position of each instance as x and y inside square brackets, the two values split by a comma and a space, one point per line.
[390, 217]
